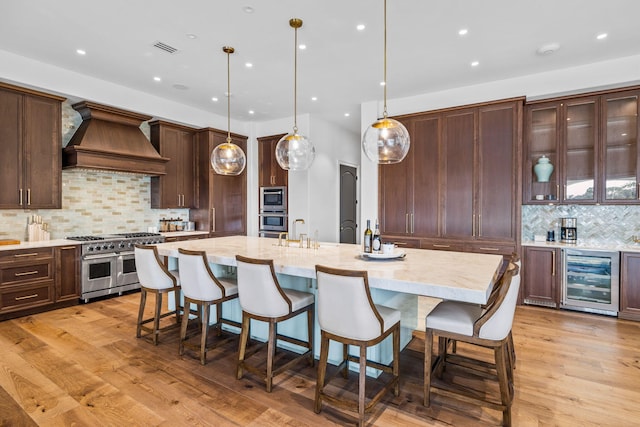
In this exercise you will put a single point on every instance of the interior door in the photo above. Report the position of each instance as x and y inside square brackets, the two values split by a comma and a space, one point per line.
[348, 204]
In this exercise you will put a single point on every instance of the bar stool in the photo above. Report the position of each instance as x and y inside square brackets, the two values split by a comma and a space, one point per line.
[488, 327]
[262, 298]
[347, 314]
[155, 278]
[203, 289]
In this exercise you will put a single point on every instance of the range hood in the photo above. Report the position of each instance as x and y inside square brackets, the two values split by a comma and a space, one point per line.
[111, 139]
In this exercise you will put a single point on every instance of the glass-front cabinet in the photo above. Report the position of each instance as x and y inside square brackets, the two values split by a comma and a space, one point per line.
[582, 150]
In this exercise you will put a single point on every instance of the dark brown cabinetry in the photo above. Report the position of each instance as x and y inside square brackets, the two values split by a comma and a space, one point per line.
[270, 173]
[176, 189]
[67, 283]
[30, 165]
[630, 286]
[592, 142]
[458, 189]
[222, 200]
[541, 276]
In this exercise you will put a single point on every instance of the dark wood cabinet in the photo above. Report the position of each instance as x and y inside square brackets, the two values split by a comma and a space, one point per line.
[458, 188]
[541, 276]
[630, 286]
[67, 283]
[592, 142]
[30, 165]
[176, 189]
[222, 207]
[269, 171]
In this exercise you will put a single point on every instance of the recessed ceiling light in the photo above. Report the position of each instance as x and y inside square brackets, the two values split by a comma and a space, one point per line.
[248, 65]
[347, 114]
[158, 79]
[382, 83]
[302, 46]
[602, 36]
[192, 36]
[247, 9]
[475, 63]
[180, 86]
[214, 99]
[314, 98]
[81, 52]
[463, 32]
[548, 49]
[360, 27]
[251, 112]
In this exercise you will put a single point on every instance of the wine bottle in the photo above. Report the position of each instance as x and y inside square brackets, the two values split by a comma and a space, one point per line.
[376, 243]
[367, 237]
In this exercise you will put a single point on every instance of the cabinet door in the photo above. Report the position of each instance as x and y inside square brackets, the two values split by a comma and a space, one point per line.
[457, 174]
[620, 113]
[540, 278]
[425, 148]
[630, 286]
[186, 170]
[542, 138]
[67, 273]
[228, 196]
[580, 150]
[11, 160]
[42, 148]
[270, 173]
[497, 173]
[170, 147]
[175, 189]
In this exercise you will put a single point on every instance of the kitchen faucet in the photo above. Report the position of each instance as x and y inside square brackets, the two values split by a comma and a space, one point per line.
[293, 228]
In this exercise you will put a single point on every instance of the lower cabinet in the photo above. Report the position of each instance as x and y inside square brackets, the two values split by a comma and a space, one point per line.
[630, 286]
[67, 273]
[541, 276]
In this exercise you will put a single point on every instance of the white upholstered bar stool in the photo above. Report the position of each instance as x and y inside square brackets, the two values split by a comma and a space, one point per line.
[203, 289]
[155, 278]
[347, 314]
[488, 327]
[262, 299]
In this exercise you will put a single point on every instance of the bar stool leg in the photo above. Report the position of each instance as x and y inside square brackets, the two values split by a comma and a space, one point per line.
[205, 332]
[322, 371]
[310, 328]
[345, 358]
[183, 326]
[156, 320]
[361, 384]
[143, 302]
[428, 352]
[396, 361]
[271, 351]
[244, 335]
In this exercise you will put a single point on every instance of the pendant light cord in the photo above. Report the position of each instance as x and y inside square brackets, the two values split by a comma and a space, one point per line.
[295, 81]
[228, 97]
[384, 113]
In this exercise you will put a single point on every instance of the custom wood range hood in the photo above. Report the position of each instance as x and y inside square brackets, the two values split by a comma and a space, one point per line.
[111, 139]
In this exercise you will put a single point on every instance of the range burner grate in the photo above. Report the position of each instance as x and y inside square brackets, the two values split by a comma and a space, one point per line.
[134, 235]
[85, 238]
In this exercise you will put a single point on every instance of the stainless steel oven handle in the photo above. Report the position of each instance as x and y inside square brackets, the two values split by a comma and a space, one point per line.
[274, 214]
[101, 256]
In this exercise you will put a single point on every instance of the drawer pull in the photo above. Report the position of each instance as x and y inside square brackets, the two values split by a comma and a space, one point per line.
[26, 273]
[26, 297]
[490, 249]
[26, 255]
[441, 246]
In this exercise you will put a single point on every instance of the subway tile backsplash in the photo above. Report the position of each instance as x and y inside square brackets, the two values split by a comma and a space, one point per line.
[94, 202]
[596, 224]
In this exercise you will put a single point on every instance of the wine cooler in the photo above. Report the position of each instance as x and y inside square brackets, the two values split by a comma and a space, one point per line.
[590, 281]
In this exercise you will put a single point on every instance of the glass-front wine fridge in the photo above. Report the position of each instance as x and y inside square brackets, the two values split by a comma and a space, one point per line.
[591, 281]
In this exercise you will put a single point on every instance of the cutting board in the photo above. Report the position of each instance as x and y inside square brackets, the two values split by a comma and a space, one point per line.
[9, 242]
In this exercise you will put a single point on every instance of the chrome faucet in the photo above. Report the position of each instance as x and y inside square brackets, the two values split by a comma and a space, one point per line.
[293, 228]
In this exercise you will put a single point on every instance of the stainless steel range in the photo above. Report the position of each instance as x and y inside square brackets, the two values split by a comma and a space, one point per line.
[108, 262]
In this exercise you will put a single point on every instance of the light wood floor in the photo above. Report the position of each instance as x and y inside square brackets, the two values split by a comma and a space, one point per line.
[83, 366]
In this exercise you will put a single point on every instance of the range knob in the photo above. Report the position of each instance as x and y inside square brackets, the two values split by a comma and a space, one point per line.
[111, 246]
[90, 248]
[105, 247]
[121, 245]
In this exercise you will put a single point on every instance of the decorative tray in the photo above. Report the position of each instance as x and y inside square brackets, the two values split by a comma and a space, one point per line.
[395, 255]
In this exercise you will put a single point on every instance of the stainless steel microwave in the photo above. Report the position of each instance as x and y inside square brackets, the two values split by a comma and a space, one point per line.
[273, 221]
[273, 199]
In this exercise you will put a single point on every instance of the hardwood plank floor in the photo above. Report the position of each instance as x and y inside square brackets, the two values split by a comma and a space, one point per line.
[83, 366]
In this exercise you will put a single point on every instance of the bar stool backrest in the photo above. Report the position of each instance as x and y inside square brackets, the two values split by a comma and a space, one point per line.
[496, 322]
[196, 278]
[345, 307]
[258, 289]
[152, 273]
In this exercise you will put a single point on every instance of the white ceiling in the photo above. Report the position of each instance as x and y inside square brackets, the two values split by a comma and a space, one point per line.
[341, 66]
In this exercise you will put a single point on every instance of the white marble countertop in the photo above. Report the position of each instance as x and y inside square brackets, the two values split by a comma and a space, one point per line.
[449, 275]
[580, 244]
[183, 233]
[39, 244]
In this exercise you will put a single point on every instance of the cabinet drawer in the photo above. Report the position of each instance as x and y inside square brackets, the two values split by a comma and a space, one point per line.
[19, 297]
[401, 242]
[25, 255]
[442, 245]
[491, 248]
[26, 272]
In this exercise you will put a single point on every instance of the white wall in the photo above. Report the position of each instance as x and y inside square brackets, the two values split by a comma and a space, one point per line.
[607, 74]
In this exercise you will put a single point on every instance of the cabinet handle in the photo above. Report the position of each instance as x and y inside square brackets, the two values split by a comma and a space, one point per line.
[490, 249]
[213, 220]
[21, 197]
[411, 223]
[25, 255]
[441, 246]
[473, 225]
[553, 263]
[557, 191]
[406, 223]
[28, 197]
[479, 225]
[26, 297]
[26, 273]
[638, 190]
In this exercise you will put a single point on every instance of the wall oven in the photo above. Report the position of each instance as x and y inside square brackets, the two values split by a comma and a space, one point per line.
[590, 281]
[273, 199]
[273, 221]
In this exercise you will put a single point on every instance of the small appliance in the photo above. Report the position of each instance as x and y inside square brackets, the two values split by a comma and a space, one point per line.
[568, 230]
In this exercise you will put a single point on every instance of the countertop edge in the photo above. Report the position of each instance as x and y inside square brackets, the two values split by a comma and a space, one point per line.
[39, 244]
[584, 245]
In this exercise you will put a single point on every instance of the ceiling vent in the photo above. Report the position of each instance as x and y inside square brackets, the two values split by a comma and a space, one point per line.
[165, 47]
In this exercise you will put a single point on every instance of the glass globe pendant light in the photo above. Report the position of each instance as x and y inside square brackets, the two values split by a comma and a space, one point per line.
[228, 158]
[386, 140]
[294, 151]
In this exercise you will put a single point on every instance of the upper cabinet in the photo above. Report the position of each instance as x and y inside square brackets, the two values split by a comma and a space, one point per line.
[176, 189]
[222, 200]
[270, 173]
[591, 141]
[31, 138]
[458, 188]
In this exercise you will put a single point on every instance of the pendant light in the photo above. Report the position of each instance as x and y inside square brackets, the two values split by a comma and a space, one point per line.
[294, 151]
[228, 158]
[386, 141]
